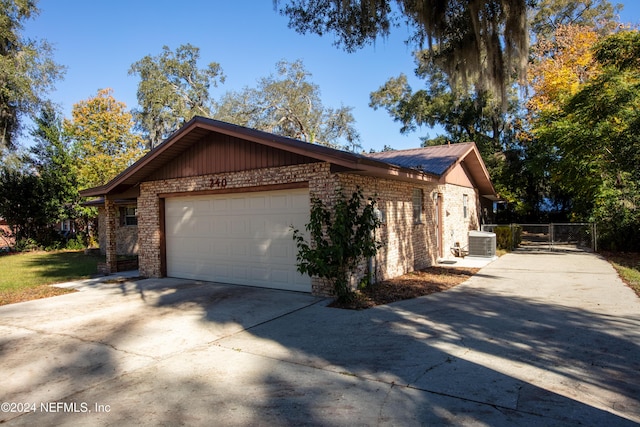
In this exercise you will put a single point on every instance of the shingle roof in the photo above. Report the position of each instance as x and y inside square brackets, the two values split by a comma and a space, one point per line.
[435, 160]
[427, 164]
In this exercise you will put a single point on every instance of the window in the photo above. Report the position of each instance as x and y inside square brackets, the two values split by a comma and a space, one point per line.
[465, 205]
[417, 206]
[129, 216]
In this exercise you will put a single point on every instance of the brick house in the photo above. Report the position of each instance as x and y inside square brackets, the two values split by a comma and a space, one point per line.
[216, 202]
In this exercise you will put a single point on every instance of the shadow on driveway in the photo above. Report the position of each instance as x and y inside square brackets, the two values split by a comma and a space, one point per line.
[179, 352]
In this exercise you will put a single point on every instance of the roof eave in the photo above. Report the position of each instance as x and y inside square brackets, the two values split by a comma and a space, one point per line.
[347, 160]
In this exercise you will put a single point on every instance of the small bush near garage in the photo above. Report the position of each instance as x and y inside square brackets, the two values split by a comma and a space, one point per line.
[341, 236]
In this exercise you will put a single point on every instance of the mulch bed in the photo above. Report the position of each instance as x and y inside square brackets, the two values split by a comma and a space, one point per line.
[412, 285]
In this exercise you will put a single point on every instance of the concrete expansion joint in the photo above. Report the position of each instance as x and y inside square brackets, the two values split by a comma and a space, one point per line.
[214, 342]
[501, 408]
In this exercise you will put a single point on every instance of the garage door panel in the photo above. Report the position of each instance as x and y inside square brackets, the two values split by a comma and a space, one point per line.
[241, 238]
[258, 203]
[239, 228]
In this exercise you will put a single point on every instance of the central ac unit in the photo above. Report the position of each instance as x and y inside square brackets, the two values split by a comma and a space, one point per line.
[482, 244]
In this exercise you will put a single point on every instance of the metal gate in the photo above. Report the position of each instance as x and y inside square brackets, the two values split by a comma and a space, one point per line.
[575, 236]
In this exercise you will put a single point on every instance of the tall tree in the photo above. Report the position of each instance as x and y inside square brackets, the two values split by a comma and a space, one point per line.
[27, 71]
[469, 116]
[595, 135]
[52, 160]
[44, 191]
[103, 141]
[478, 43]
[289, 104]
[21, 196]
[550, 15]
[172, 90]
[560, 65]
[499, 128]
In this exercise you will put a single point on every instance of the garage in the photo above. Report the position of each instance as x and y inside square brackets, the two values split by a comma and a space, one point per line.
[239, 238]
[216, 201]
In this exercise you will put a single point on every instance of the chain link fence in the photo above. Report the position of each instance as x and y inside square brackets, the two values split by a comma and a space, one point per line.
[548, 237]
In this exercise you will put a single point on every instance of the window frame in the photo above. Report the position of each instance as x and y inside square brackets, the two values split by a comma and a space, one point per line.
[417, 204]
[465, 206]
[130, 216]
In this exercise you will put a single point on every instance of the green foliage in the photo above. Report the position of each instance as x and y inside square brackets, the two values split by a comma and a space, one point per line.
[289, 104]
[77, 243]
[342, 235]
[518, 164]
[27, 245]
[508, 237]
[477, 43]
[465, 115]
[172, 90]
[596, 136]
[26, 69]
[621, 51]
[21, 204]
[52, 160]
[44, 191]
[617, 214]
[550, 14]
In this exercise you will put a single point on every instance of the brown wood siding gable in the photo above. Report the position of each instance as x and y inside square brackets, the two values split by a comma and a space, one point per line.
[219, 153]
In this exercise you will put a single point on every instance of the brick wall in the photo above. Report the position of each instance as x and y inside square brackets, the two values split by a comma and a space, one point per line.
[456, 226]
[316, 174]
[126, 236]
[408, 245]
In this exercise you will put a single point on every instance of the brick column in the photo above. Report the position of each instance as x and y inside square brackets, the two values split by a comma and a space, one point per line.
[111, 221]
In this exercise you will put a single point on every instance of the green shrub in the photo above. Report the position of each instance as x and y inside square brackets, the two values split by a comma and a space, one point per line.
[27, 245]
[76, 244]
[508, 237]
[341, 236]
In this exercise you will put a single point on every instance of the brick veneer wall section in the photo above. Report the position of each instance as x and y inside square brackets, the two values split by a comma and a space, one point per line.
[110, 238]
[126, 236]
[408, 245]
[456, 227]
[317, 175]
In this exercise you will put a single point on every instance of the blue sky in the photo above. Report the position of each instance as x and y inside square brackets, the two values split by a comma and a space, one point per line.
[98, 41]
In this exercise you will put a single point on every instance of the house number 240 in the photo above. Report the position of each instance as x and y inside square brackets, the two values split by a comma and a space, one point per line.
[218, 182]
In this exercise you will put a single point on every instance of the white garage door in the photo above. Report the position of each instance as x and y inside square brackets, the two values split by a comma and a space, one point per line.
[242, 238]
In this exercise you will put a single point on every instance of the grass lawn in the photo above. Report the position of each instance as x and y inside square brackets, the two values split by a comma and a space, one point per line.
[24, 277]
[628, 267]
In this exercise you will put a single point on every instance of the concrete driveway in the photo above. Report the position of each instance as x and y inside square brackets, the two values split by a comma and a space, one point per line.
[533, 339]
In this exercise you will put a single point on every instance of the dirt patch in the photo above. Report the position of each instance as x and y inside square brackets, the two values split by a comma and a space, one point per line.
[412, 285]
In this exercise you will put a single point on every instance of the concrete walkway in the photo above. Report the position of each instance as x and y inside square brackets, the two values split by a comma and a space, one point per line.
[533, 339]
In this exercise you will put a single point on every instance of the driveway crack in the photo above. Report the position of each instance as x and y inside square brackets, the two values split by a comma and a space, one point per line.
[87, 341]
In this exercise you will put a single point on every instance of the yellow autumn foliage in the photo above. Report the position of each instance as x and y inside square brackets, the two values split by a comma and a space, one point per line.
[103, 142]
[560, 65]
